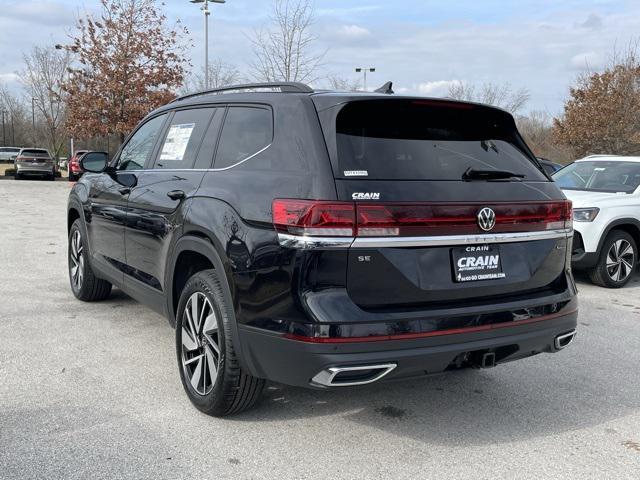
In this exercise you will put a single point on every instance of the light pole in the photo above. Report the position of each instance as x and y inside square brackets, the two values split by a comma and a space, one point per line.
[364, 71]
[33, 117]
[4, 133]
[205, 10]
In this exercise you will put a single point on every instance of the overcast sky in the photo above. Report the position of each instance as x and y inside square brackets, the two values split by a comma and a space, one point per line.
[421, 45]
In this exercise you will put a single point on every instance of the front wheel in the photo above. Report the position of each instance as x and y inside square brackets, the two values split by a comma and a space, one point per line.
[84, 284]
[617, 260]
[209, 369]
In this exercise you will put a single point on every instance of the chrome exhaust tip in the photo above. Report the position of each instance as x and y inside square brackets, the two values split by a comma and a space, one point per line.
[352, 376]
[565, 339]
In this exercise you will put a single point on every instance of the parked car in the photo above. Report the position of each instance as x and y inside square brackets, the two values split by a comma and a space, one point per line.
[75, 170]
[35, 162]
[8, 154]
[549, 166]
[326, 239]
[606, 199]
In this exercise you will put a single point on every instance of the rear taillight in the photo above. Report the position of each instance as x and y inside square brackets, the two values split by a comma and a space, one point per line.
[348, 219]
[314, 218]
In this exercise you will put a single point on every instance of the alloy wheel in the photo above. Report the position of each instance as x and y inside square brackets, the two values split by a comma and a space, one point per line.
[620, 260]
[77, 260]
[200, 343]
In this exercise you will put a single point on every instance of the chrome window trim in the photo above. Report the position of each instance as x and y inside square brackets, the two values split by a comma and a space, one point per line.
[241, 161]
[199, 169]
[307, 242]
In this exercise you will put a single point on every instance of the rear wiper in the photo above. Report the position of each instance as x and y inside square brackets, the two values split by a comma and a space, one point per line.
[473, 174]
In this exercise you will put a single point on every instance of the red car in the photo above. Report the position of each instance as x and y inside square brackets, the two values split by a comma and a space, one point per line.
[75, 170]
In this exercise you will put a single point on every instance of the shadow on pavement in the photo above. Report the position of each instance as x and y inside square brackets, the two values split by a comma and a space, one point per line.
[473, 407]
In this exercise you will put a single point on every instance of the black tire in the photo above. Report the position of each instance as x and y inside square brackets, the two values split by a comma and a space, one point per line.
[621, 267]
[17, 176]
[89, 288]
[231, 389]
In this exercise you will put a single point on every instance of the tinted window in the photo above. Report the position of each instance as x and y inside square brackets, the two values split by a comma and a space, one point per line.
[600, 176]
[35, 153]
[246, 131]
[421, 140]
[183, 138]
[139, 147]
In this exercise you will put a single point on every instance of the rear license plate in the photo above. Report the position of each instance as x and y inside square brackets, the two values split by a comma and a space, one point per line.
[476, 262]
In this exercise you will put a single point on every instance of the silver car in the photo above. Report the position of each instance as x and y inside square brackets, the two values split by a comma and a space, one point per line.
[8, 154]
[35, 161]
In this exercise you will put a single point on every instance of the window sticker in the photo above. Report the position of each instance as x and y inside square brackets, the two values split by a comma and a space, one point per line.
[356, 173]
[176, 142]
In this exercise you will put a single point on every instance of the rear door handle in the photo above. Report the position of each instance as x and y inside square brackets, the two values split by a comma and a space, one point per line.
[124, 190]
[176, 194]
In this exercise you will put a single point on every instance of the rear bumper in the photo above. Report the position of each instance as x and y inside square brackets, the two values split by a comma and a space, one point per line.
[272, 356]
[39, 170]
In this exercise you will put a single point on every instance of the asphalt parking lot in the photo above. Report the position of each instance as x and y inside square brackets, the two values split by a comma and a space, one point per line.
[92, 391]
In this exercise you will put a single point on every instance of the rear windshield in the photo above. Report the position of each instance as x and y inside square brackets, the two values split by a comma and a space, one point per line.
[9, 149]
[425, 140]
[35, 153]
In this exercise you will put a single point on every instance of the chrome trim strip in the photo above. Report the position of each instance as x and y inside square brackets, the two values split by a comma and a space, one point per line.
[381, 242]
[241, 161]
[142, 170]
[307, 242]
[311, 243]
[326, 377]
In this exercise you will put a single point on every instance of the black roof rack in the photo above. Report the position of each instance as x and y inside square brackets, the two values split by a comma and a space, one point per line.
[284, 87]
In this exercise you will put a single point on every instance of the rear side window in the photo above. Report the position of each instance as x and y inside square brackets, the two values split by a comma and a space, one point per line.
[139, 147]
[183, 138]
[424, 140]
[246, 131]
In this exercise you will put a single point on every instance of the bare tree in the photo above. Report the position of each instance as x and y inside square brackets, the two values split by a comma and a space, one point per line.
[537, 129]
[284, 51]
[45, 71]
[17, 128]
[220, 75]
[498, 95]
[343, 84]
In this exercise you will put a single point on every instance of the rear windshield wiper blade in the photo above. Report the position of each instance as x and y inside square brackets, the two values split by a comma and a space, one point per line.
[473, 174]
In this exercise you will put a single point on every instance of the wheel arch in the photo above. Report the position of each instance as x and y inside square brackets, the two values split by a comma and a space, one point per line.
[629, 225]
[198, 253]
[73, 214]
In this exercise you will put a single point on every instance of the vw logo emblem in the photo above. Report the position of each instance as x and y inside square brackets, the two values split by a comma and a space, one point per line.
[486, 219]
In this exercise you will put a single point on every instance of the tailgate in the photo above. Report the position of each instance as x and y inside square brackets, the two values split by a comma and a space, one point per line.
[428, 233]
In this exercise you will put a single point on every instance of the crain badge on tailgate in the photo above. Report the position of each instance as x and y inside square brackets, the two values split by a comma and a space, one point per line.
[365, 196]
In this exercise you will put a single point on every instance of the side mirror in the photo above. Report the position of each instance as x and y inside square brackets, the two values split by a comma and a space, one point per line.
[94, 162]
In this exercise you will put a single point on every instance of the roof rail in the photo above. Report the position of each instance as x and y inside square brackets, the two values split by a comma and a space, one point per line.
[284, 87]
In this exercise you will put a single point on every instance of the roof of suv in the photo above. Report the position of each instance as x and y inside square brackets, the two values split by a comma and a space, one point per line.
[261, 92]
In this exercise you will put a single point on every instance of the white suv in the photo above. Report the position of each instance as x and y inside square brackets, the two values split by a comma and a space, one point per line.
[606, 212]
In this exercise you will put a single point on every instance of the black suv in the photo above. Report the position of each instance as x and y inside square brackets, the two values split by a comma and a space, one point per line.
[326, 239]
